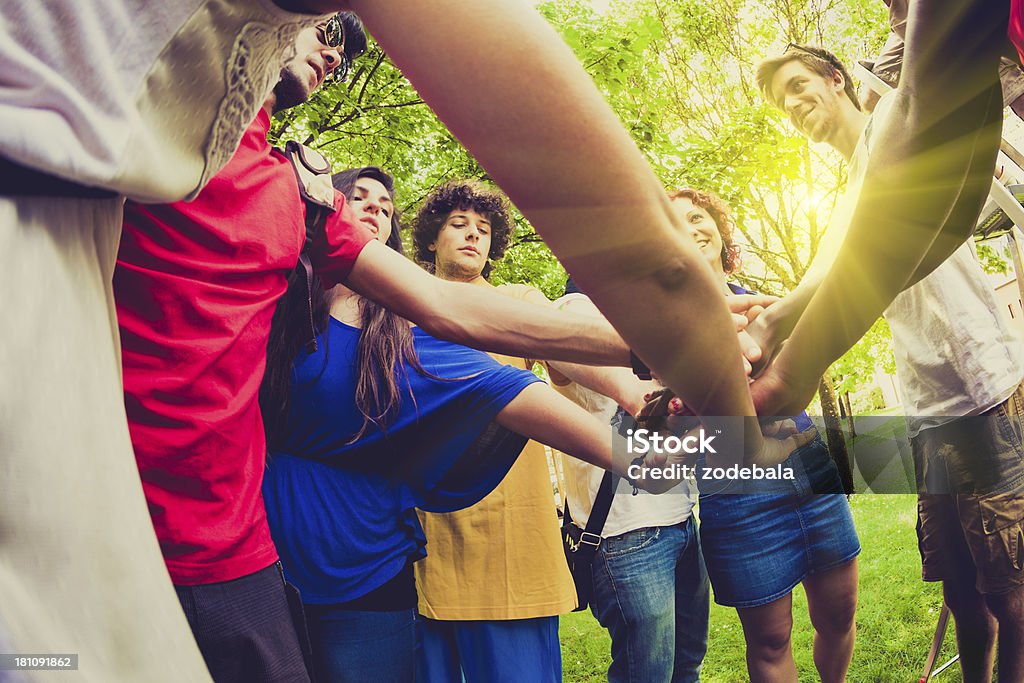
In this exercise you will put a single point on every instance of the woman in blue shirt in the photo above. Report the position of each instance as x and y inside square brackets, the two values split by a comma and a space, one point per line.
[355, 450]
[380, 419]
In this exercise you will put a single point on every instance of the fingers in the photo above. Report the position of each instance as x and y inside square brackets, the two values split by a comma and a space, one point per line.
[779, 429]
[775, 451]
[751, 351]
[740, 321]
[799, 440]
[741, 303]
[675, 406]
[786, 428]
[771, 429]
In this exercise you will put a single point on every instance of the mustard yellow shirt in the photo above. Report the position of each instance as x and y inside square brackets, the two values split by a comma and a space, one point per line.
[501, 558]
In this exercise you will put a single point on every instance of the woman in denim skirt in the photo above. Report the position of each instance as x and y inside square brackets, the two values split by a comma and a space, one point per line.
[760, 539]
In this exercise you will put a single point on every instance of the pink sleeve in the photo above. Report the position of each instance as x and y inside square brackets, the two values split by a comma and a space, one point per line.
[1016, 29]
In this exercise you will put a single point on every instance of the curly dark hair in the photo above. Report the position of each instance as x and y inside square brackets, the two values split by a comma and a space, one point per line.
[722, 215]
[461, 195]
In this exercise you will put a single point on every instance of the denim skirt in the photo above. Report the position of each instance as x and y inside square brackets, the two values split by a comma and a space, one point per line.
[758, 545]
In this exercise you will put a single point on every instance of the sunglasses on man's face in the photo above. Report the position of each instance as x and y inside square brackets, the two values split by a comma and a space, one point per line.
[332, 34]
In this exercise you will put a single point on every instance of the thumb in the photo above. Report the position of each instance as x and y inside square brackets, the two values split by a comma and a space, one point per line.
[802, 439]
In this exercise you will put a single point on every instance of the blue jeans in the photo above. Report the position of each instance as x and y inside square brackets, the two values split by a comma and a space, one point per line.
[354, 646]
[651, 592]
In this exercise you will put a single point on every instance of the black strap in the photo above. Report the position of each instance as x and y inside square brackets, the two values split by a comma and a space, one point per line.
[598, 513]
[602, 504]
[640, 368]
[581, 545]
[318, 209]
[298, 614]
[307, 270]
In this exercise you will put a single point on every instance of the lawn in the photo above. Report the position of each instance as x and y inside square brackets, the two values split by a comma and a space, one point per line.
[896, 612]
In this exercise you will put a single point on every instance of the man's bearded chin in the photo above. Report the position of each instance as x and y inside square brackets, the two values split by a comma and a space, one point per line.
[290, 91]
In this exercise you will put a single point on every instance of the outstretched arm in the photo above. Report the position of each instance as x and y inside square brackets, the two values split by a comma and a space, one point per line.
[481, 317]
[619, 384]
[515, 95]
[924, 187]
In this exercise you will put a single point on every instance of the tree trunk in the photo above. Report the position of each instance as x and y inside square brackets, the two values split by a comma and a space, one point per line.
[845, 398]
[833, 431]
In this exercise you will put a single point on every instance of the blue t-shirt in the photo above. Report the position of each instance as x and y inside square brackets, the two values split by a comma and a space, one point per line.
[343, 514]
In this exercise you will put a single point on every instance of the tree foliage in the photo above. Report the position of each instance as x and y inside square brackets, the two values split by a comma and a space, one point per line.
[680, 76]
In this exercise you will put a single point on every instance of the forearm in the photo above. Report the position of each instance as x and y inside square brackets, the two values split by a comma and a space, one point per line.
[782, 316]
[934, 160]
[493, 322]
[925, 183]
[676, 322]
[481, 317]
[619, 384]
[887, 249]
[818, 339]
[514, 94]
[543, 415]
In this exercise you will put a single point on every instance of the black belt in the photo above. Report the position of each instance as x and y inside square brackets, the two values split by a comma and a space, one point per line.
[17, 180]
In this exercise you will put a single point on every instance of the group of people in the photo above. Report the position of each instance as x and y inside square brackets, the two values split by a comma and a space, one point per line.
[322, 428]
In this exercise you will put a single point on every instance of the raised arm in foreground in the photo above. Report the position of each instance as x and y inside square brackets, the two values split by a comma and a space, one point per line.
[514, 94]
[924, 188]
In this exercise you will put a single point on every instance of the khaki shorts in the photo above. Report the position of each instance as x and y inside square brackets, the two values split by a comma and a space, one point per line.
[970, 477]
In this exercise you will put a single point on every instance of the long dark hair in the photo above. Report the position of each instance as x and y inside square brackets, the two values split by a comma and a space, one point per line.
[385, 344]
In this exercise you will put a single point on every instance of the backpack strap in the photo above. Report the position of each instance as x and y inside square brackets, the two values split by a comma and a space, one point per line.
[313, 175]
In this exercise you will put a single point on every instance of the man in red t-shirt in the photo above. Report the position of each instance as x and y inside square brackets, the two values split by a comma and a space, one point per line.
[196, 285]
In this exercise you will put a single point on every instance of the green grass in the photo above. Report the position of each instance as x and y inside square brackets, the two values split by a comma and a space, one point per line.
[896, 613]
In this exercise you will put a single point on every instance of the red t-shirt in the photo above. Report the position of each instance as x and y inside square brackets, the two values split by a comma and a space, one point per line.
[1016, 30]
[196, 284]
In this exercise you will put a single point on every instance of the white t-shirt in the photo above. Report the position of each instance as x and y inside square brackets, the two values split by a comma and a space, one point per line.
[148, 99]
[583, 480]
[955, 354]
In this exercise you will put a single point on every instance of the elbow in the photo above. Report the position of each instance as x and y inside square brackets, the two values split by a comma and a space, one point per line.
[675, 276]
[673, 271]
[663, 273]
